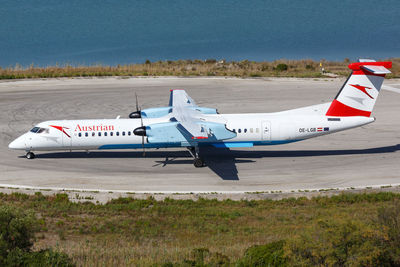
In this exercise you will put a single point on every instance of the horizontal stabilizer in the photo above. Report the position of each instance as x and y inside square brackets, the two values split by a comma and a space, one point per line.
[376, 69]
[371, 67]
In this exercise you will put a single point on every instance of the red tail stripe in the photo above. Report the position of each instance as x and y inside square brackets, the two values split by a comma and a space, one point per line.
[339, 109]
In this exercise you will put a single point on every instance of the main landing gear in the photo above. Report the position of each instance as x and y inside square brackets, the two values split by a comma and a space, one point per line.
[30, 155]
[194, 151]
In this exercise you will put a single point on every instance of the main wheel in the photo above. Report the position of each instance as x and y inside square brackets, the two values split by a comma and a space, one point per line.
[30, 155]
[198, 163]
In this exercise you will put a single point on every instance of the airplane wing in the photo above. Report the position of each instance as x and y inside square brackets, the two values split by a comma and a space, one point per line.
[189, 120]
[181, 98]
[188, 123]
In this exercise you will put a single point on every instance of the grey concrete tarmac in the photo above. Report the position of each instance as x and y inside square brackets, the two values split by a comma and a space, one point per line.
[366, 156]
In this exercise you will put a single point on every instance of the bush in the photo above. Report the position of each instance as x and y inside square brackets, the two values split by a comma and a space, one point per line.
[389, 220]
[17, 229]
[271, 254]
[337, 243]
[282, 67]
[41, 258]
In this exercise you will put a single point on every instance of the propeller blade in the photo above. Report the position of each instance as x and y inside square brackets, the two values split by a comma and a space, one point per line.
[141, 124]
[144, 150]
[137, 103]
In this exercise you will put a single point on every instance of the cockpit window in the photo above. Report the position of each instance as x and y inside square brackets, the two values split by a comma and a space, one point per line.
[39, 130]
[43, 130]
[35, 129]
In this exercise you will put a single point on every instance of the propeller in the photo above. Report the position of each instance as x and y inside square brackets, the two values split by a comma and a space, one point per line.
[141, 125]
[142, 129]
[136, 114]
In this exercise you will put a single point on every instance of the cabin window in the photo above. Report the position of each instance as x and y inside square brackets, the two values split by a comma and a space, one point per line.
[245, 130]
[80, 134]
[93, 134]
[86, 134]
[129, 133]
[105, 133]
[117, 133]
[99, 133]
[123, 133]
[251, 130]
[240, 130]
[111, 133]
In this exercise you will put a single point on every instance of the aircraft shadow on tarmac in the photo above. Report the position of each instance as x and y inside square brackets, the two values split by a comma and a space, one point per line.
[221, 161]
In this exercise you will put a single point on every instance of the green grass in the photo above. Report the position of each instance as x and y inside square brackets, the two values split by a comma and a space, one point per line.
[129, 231]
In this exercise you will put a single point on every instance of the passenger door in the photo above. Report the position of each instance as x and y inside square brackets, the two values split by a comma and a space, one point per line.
[266, 130]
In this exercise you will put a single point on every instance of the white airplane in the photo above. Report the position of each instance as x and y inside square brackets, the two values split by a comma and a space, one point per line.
[184, 124]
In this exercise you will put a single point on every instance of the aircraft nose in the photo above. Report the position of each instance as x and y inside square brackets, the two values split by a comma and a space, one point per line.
[18, 143]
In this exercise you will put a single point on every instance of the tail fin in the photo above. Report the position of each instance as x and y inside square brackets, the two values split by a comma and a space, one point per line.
[360, 91]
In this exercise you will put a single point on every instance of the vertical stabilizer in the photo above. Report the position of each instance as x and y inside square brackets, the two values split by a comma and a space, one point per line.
[360, 91]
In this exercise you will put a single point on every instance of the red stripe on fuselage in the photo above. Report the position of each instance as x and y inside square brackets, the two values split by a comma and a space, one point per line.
[60, 128]
[339, 109]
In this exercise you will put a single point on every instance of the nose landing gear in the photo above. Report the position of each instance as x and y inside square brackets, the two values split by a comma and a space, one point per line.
[194, 152]
[30, 155]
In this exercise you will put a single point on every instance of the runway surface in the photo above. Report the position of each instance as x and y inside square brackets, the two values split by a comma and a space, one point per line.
[365, 156]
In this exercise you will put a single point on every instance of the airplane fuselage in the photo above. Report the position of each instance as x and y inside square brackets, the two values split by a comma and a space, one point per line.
[251, 129]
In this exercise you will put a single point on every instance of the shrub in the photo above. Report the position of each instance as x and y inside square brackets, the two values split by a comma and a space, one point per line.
[389, 219]
[337, 243]
[282, 67]
[41, 258]
[271, 254]
[210, 61]
[16, 230]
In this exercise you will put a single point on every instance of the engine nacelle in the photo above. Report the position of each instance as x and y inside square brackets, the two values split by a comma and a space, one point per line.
[156, 112]
[135, 115]
[140, 131]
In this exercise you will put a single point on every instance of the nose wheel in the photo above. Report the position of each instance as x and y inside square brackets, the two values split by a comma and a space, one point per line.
[30, 155]
[198, 162]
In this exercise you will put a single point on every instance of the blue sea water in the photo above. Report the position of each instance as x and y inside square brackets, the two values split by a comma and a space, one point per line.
[46, 32]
